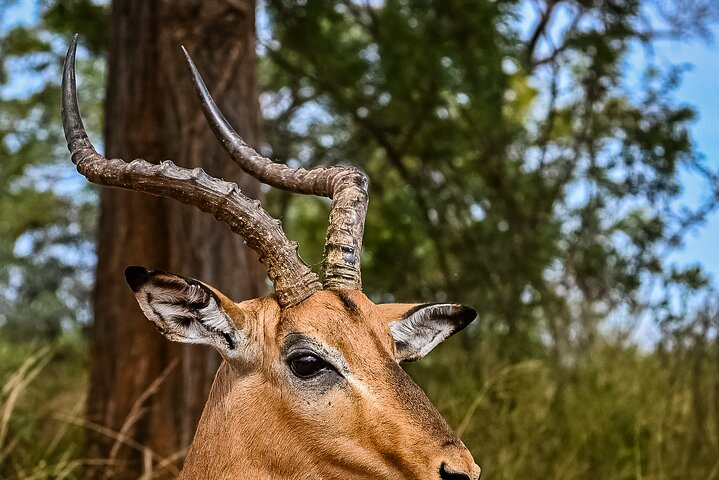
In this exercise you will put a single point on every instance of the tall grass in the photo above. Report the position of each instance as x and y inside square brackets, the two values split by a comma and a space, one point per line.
[38, 383]
[617, 412]
[41, 416]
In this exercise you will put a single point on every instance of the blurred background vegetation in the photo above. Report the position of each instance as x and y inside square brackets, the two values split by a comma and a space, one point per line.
[520, 161]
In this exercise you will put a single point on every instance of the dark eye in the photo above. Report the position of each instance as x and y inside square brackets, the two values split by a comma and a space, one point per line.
[307, 365]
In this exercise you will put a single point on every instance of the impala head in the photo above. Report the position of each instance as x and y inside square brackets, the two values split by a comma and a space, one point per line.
[311, 385]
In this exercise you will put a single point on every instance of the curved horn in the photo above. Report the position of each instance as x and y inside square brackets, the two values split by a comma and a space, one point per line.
[292, 279]
[346, 186]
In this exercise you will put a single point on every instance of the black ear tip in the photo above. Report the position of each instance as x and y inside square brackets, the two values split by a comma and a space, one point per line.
[467, 314]
[137, 276]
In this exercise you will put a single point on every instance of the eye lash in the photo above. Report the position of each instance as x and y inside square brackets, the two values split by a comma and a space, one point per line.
[303, 353]
[312, 353]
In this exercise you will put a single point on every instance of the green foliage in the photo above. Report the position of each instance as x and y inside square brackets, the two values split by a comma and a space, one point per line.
[532, 187]
[47, 215]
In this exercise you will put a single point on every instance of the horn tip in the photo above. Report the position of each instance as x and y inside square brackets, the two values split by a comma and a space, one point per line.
[188, 58]
[73, 43]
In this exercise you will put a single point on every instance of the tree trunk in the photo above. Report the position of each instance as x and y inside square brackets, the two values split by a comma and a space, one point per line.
[152, 112]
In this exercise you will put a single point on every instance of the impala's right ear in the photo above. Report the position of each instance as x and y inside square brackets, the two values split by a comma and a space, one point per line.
[419, 328]
[185, 310]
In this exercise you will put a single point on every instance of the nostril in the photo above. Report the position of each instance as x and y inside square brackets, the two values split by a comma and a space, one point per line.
[446, 474]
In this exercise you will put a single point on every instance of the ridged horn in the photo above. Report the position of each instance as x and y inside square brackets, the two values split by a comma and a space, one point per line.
[346, 186]
[292, 279]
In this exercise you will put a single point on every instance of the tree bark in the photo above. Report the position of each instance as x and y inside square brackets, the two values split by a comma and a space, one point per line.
[152, 112]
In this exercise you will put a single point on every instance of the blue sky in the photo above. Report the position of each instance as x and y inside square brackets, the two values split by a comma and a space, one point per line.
[22, 12]
[700, 88]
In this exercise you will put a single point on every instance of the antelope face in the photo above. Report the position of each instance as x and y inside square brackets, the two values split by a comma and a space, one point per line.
[311, 386]
[314, 390]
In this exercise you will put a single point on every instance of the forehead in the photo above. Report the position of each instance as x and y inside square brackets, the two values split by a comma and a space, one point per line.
[339, 318]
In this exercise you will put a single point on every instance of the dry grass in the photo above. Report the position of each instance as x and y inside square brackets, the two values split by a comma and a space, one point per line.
[24, 454]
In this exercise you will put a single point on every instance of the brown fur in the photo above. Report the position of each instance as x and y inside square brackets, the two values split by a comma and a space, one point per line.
[260, 422]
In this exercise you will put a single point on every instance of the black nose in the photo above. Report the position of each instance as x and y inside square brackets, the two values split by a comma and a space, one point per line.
[446, 474]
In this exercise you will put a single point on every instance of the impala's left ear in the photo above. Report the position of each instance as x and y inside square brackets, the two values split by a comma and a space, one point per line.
[417, 329]
[188, 311]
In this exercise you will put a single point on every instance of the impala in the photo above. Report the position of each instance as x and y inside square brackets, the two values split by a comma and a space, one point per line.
[310, 386]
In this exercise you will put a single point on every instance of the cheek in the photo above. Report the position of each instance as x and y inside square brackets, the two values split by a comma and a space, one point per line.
[318, 395]
[324, 409]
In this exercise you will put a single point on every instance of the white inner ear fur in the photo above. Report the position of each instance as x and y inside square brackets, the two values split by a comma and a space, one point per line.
[188, 313]
[417, 334]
